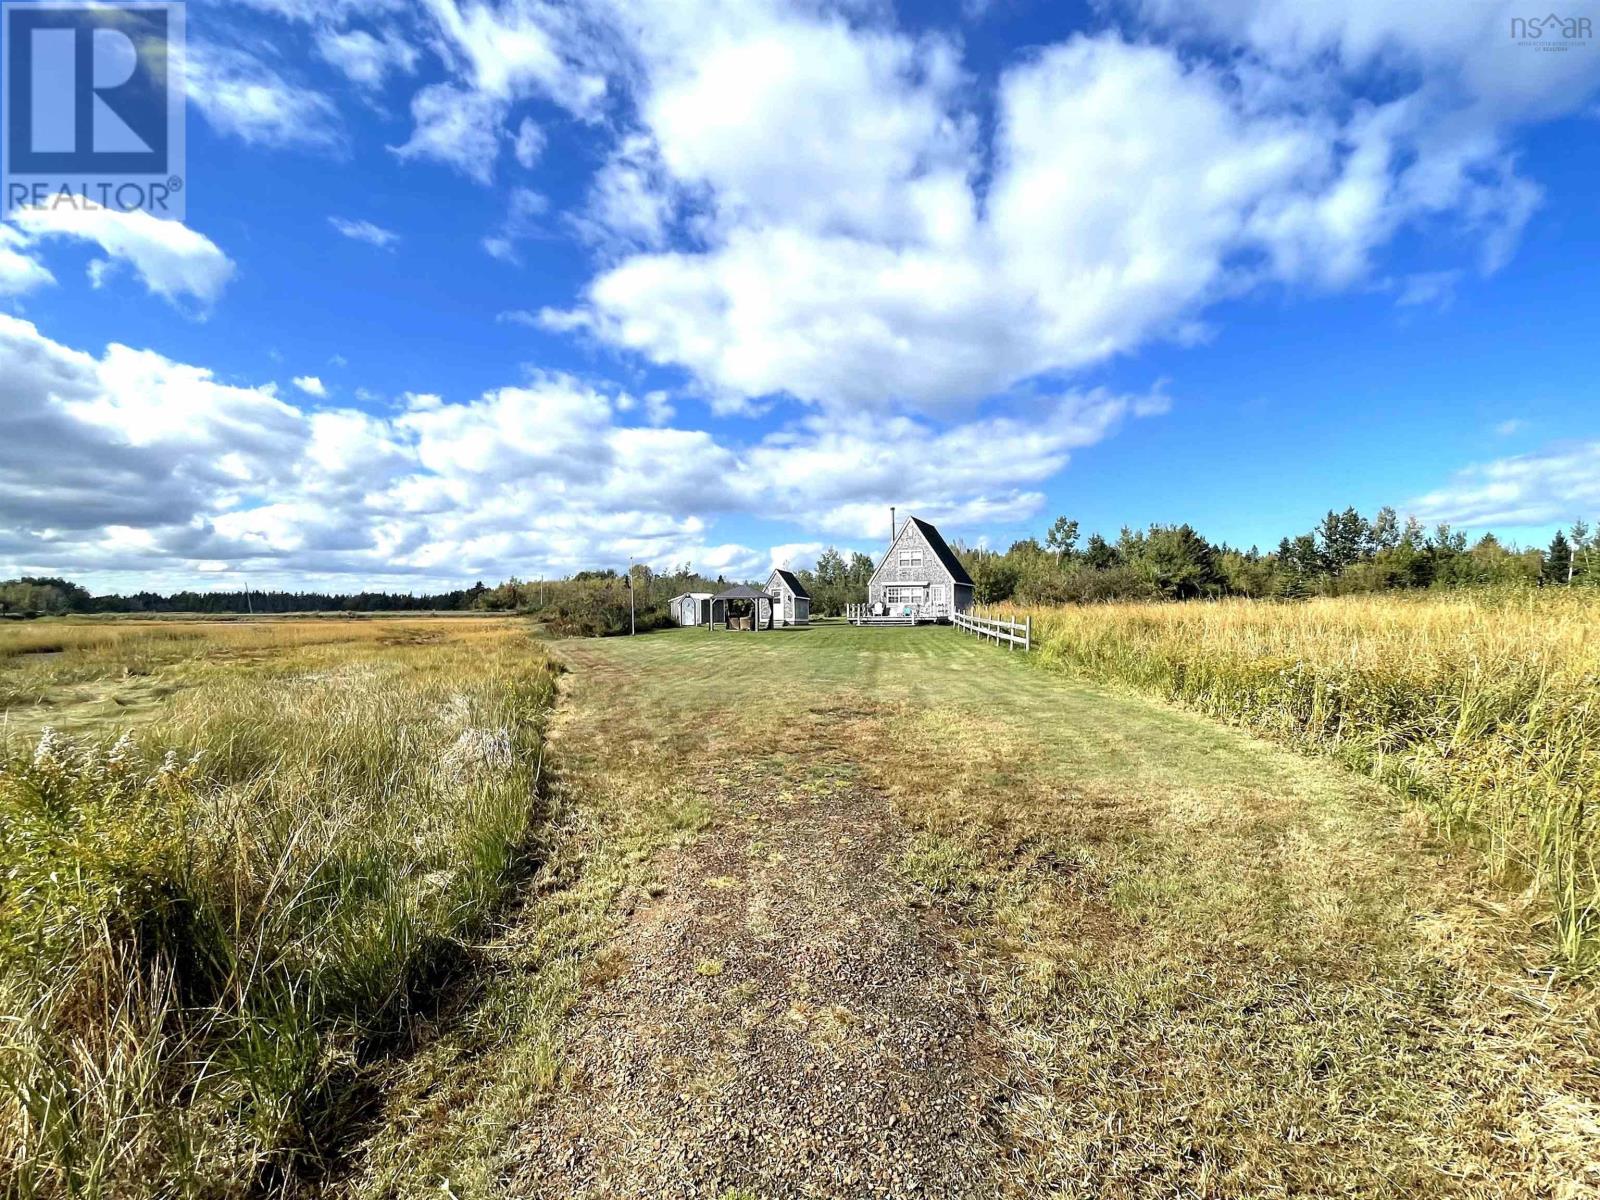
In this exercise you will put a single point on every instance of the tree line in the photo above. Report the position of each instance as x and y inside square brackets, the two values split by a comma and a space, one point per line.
[1344, 553]
[53, 595]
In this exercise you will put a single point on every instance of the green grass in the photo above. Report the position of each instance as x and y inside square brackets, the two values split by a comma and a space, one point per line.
[1217, 967]
[1212, 966]
[209, 923]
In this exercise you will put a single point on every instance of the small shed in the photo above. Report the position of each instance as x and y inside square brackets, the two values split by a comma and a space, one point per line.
[741, 607]
[690, 608]
[791, 603]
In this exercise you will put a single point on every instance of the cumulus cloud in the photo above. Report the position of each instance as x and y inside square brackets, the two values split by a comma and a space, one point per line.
[810, 206]
[543, 477]
[172, 260]
[19, 270]
[311, 385]
[519, 49]
[809, 201]
[133, 439]
[1555, 485]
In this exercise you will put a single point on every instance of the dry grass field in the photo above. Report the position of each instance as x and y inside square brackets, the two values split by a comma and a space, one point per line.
[823, 912]
[1482, 709]
[234, 856]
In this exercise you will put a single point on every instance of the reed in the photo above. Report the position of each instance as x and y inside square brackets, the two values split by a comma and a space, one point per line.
[208, 923]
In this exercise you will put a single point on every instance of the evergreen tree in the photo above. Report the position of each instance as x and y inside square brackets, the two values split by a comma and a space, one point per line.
[1558, 560]
[1100, 555]
[1180, 562]
[1343, 539]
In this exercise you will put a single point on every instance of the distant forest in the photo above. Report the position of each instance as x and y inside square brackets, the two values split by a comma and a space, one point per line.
[1346, 553]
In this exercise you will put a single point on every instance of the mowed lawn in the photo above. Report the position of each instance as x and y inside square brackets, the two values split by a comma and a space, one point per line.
[1208, 966]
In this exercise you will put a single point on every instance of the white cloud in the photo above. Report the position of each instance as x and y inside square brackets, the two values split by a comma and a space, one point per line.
[1556, 485]
[529, 144]
[311, 386]
[631, 200]
[457, 127]
[172, 260]
[545, 477]
[796, 556]
[364, 58]
[1428, 289]
[19, 271]
[1513, 426]
[365, 231]
[133, 440]
[524, 207]
[517, 49]
[810, 206]
[658, 408]
[243, 97]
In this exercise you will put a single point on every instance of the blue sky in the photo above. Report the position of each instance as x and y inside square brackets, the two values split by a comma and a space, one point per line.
[718, 283]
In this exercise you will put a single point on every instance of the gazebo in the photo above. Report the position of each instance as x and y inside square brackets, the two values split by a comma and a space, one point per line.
[740, 595]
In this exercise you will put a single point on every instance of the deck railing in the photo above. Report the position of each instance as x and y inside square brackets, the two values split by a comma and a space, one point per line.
[997, 630]
[898, 613]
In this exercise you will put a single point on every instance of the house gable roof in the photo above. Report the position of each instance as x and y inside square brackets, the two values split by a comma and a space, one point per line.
[936, 543]
[790, 581]
[942, 551]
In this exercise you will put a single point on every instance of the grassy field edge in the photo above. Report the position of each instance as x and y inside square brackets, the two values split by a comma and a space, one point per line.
[1479, 710]
[208, 925]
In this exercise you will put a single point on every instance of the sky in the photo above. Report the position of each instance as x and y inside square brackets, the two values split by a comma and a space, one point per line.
[472, 290]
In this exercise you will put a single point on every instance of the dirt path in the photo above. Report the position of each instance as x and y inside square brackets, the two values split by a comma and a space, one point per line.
[901, 915]
[779, 1018]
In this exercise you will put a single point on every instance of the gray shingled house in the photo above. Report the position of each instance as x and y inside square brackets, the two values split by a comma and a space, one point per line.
[920, 579]
[791, 603]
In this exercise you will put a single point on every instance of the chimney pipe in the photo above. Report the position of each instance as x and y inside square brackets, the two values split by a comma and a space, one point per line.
[892, 529]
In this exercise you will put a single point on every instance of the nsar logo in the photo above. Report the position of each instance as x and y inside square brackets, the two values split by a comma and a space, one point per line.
[1551, 32]
[93, 107]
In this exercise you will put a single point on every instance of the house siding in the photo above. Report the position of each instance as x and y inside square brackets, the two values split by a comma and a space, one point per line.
[788, 608]
[908, 542]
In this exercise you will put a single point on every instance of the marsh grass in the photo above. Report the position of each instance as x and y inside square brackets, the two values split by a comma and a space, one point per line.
[208, 923]
[1481, 709]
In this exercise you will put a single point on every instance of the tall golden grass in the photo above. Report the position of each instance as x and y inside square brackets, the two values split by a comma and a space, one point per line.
[205, 924]
[1483, 708]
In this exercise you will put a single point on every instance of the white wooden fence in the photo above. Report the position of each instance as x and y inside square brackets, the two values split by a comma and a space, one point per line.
[1014, 633]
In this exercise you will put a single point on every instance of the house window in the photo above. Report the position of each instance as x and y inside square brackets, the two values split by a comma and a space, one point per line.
[910, 558]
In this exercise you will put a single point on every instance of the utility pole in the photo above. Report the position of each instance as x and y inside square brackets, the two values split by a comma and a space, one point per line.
[630, 597]
[249, 608]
